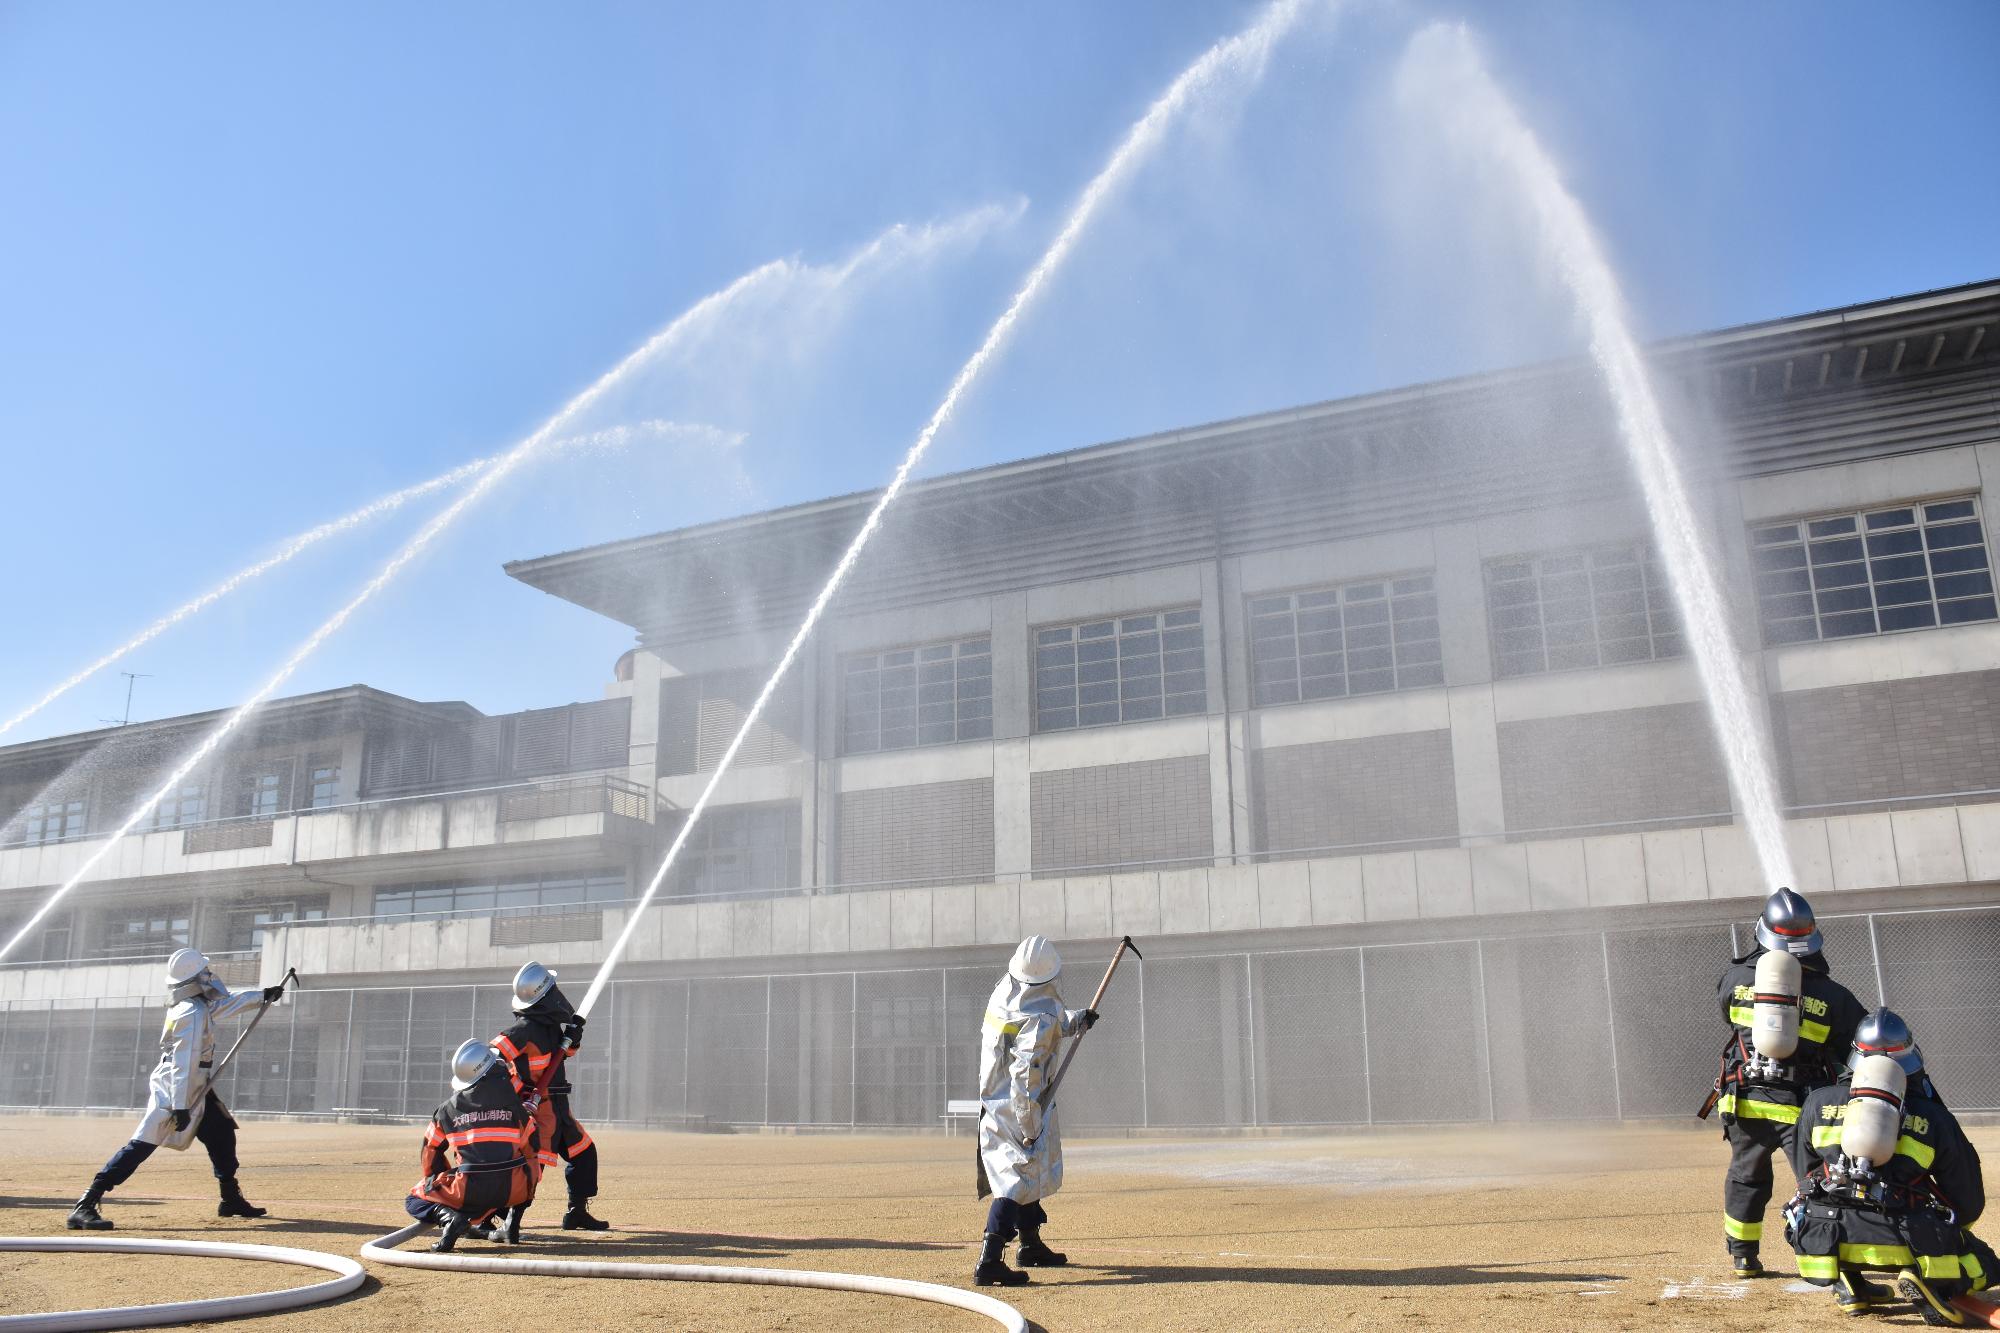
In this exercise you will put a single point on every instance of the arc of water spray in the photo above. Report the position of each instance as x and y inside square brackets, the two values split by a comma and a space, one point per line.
[1475, 108]
[1247, 51]
[689, 324]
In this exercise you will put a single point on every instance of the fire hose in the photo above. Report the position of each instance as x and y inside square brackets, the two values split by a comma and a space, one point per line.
[347, 1276]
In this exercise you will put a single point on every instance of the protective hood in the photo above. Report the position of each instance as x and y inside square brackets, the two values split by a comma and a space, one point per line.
[553, 1008]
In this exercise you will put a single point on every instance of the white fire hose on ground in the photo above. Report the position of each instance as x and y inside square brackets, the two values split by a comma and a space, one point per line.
[384, 1251]
[348, 1276]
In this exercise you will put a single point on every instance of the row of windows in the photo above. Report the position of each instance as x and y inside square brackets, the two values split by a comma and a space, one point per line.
[484, 899]
[1906, 567]
[258, 793]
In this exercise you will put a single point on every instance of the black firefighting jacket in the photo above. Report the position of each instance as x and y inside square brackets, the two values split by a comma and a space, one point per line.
[1828, 1016]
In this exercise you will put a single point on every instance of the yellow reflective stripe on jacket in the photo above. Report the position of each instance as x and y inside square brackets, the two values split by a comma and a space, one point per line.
[1742, 1230]
[1809, 1030]
[1749, 1108]
[996, 1021]
[1828, 1136]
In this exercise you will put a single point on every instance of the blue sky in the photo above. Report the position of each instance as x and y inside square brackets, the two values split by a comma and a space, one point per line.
[260, 264]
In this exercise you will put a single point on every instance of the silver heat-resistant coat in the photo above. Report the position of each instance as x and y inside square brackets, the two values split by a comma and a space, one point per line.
[1020, 1143]
[187, 1054]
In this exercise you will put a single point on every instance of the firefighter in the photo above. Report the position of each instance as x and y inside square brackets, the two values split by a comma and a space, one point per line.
[1759, 1094]
[181, 1106]
[1888, 1181]
[546, 1025]
[1020, 1143]
[486, 1127]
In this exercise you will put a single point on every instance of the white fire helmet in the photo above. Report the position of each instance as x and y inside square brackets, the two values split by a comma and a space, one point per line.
[531, 983]
[470, 1062]
[184, 966]
[1036, 962]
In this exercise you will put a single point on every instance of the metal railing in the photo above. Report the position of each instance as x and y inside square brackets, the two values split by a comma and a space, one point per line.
[1596, 1024]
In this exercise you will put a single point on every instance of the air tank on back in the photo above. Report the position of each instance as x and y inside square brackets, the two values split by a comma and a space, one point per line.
[1873, 1121]
[1774, 1025]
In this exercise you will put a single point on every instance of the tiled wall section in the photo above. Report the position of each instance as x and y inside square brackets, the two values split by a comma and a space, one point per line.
[1154, 810]
[1912, 737]
[1603, 768]
[941, 832]
[1378, 789]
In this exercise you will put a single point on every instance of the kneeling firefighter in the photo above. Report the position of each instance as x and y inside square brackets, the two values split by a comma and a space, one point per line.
[1888, 1182]
[182, 1107]
[1790, 1025]
[484, 1125]
[548, 1030]
[1020, 1144]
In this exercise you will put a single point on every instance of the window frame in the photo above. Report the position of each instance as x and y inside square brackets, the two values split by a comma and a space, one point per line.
[965, 727]
[1888, 545]
[1043, 684]
[1339, 592]
[1660, 614]
[72, 813]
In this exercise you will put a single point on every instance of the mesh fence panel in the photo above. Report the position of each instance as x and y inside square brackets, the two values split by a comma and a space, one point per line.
[1426, 1033]
[1105, 1086]
[726, 1057]
[899, 1046]
[1668, 1021]
[1942, 972]
[1311, 1044]
[1198, 1067]
[1548, 1001]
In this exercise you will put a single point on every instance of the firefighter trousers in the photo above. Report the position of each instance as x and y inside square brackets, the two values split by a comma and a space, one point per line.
[216, 1132]
[1746, 1191]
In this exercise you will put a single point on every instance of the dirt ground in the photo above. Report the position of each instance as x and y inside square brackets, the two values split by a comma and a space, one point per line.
[1550, 1229]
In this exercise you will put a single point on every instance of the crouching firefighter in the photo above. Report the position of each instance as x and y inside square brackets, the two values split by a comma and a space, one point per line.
[549, 1030]
[182, 1107]
[1020, 1143]
[1888, 1182]
[485, 1126]
[1790, 1025]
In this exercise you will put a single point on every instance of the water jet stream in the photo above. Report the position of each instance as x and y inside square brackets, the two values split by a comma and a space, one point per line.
[898, 242]
[613, 437]
[1246, 52]
[1443, 72]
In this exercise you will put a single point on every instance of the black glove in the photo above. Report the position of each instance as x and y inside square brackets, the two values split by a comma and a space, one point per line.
[573, 1033]
[273, 994]
[182, 1120]
[1088, 1019]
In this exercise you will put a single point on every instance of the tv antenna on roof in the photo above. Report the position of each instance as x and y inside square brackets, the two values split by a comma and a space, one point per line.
[132, 678]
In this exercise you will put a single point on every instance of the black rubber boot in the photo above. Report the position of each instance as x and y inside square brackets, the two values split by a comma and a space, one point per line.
[1932, 1305]
[510, 1225]
[235, 1205]
[454, 1228]
[992, 1270]
[1747, 1265]
[578, 1218]
[487, 1230]
[85, 1217]
[1856, 1295]
[1034, 1254]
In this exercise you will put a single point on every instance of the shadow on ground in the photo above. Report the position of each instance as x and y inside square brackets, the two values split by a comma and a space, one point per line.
[1454, 1276]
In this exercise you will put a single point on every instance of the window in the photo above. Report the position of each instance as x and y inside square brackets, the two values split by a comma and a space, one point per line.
[456, 899]
[141, 932]
[262, 792]
[1908, 567]
[1363, 638]
[188, 805]
[324, 781]
[1598, 606]
[49, 943]
[1132, 669]
[246, 922]
[930, 695]
[53, 821]
[741, 849]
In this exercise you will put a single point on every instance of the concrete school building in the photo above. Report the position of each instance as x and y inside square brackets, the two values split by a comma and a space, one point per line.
[1372, 720]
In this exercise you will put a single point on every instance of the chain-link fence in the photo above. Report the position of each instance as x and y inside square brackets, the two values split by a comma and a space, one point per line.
[1588, 1025]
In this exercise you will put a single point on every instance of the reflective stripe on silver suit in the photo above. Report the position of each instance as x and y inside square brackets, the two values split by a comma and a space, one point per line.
[1019, 1041]
[187, 1054]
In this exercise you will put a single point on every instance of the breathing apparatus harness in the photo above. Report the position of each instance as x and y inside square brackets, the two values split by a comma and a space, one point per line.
[1741, 1068]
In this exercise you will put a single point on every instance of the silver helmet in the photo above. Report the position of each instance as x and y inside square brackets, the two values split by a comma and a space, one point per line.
[1885, 1033]
[531, 983]
[1787, 925]
[470, 1062]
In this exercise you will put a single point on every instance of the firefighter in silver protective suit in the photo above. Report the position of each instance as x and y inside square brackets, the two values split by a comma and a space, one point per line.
[182, 1106]
[1020, 1143]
